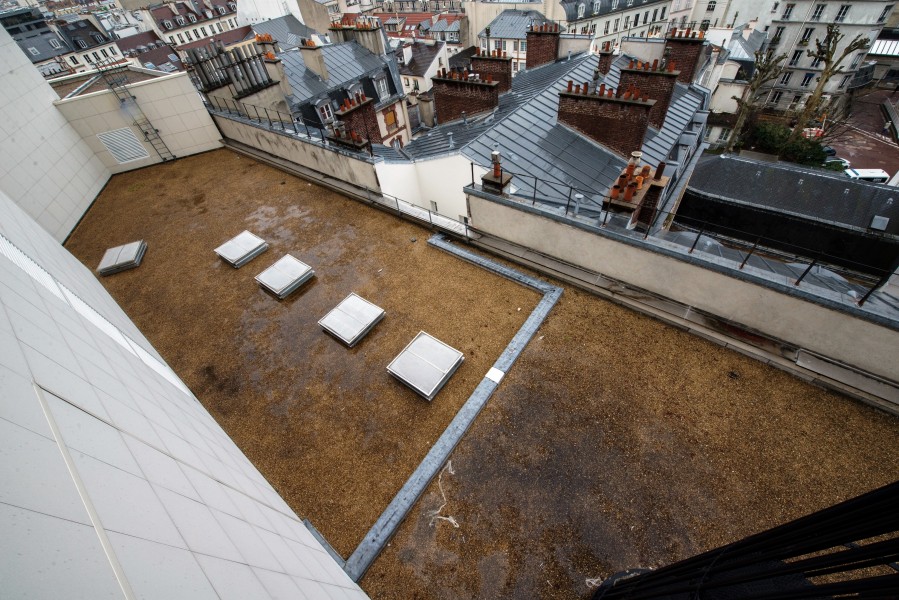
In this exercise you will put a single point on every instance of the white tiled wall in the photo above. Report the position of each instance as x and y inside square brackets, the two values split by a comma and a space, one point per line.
[114, 481]
[170, 103]
[45, 166]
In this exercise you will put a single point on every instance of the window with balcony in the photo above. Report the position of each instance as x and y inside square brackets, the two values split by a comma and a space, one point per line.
[842, 13]
[794, 60]
[819, 12]
[615, 25]
[785, 78]
[627, 22]
[788, 12]
[605, 28]
[807, 79]
[710, 7]
[778, 35]
[886, 12]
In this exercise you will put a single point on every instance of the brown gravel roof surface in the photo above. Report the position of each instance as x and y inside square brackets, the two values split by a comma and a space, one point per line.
[615, 441]
[329, 428]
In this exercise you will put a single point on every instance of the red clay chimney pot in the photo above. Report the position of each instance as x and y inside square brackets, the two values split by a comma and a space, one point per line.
[570, 86]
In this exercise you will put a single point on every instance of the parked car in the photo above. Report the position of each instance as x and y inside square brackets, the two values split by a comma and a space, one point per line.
[836, 163]
[828, 151]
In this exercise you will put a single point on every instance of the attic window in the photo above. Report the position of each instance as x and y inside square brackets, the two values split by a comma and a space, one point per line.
[192, 17]
[221, 10]
[168, 24]
[325, 111]
[97, 38]
[82, 43]
[33, 51]
[180, 20]
[232, 6]
[383, 90]
[55, 44]
[581, 8]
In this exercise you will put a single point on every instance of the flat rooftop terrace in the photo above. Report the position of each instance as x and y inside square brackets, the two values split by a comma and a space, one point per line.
[615, 441]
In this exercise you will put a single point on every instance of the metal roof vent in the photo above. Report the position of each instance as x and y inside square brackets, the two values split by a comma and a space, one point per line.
[880, 223]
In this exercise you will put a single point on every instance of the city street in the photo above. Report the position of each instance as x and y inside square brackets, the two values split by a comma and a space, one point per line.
[864, 143]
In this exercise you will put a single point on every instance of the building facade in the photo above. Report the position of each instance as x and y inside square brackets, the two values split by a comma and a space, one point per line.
[608, 21]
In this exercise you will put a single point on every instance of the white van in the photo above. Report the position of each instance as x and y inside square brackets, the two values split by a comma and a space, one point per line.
[873, 175]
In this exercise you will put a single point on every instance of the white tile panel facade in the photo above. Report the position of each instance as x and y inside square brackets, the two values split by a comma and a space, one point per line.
[114, 481]
[45, 166]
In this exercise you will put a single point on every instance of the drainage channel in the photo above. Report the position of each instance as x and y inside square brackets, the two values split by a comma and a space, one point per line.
[389, 521]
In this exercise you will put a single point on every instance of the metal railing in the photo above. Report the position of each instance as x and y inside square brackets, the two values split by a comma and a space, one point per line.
[276, 120]
[769, 257]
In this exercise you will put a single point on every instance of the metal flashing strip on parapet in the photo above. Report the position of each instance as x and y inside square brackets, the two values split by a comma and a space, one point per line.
[389, 521]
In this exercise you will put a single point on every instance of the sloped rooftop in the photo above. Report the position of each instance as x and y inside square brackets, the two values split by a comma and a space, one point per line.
[287, 30]
[345, 62]
[814, 194]
[513, 24]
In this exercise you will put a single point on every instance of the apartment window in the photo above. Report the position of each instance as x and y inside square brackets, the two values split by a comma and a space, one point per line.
[104, 53]
[615, 25]
[584, 30]
[842, 13]
[795, 102]
[390, 120]
[179, 20]
[524, 46]
[778, 34]
[775, 6]
[499, 44]
[785, 78]
[596, 6]
[197, 35]
[704, 26]
[662, 16]
[883, 15]
[189, 38]
[593, 29]
[203, 30]
[581, 8]
[97, 38]
[795, 58]
[112, 50]
[55, 44]
[405, 82]
[855, 60]
[219, 26]
[73, 60]
[605, 28]
[819, 12]
[167, 24]
[232, 6]
[845, 80]
[180, 39]
[710, 7]
[383, 91]
[788, 11]
[514, 66]
[775, 97]
[627, 22]
[725, 133]
[172, 39]
[325, 112]
[192, 17]
[96, 56]
[807, 79]
[807, 34]
[221, 10]
[646, 17]
[816, 63]
[82, 44]
[88, 58]
[515, 46]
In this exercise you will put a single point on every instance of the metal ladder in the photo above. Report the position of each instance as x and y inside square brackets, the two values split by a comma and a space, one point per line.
[116, 77]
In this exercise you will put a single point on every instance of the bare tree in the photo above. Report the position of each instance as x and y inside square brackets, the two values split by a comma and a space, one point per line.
[826, 52]
[767, 66]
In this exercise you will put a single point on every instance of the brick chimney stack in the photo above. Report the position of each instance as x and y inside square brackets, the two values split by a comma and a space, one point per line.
[358, 116]
[543, 44]
[684, 47]
[605, 58]
[617, 121]
[655, 80]
[458, 92]
[496, 64]
[313, 58]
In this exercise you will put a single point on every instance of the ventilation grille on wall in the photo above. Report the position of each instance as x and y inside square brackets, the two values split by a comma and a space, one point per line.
[123, 145]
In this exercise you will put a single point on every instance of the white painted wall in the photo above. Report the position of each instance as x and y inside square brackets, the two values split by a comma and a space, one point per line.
[437, 180]
[250, 12]
[114, 480]
[45, 166]
[170, 103]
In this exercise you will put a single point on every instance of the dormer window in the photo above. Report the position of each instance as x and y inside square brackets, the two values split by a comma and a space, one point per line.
[82, 43]
[97, 38]
[167, 24]
[192, 17]
[55, 44]
[179, 20]
[325, 112]
[581, 9]
[232, 6]
[221, 10]
[381, 87]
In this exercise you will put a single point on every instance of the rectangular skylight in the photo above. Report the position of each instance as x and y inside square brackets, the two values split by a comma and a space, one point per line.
[285, 276]
[352, 319]
[241, 249]
[426, 364]
[122, 258]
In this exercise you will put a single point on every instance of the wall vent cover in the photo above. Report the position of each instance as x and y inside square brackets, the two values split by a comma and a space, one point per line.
[123, 145]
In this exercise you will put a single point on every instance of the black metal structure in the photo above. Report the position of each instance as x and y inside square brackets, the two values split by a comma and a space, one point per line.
[849, 550]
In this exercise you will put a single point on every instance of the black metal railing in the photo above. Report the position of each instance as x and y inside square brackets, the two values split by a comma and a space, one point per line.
[848, 550]
[792, 263]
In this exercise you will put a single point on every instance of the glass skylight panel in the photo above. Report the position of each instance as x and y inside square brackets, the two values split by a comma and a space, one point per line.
[122, 258]
[285, 276]
[426, 364]
[352, 319]
[241, 249]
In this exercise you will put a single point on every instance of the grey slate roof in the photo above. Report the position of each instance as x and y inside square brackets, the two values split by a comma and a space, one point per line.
[345, 62]
[41, 42]
[423, 56]
[604, 7]
[442, 25]
[513, 24]
[462, 58]
[286, 30]
[525, 130]
[814, 194]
